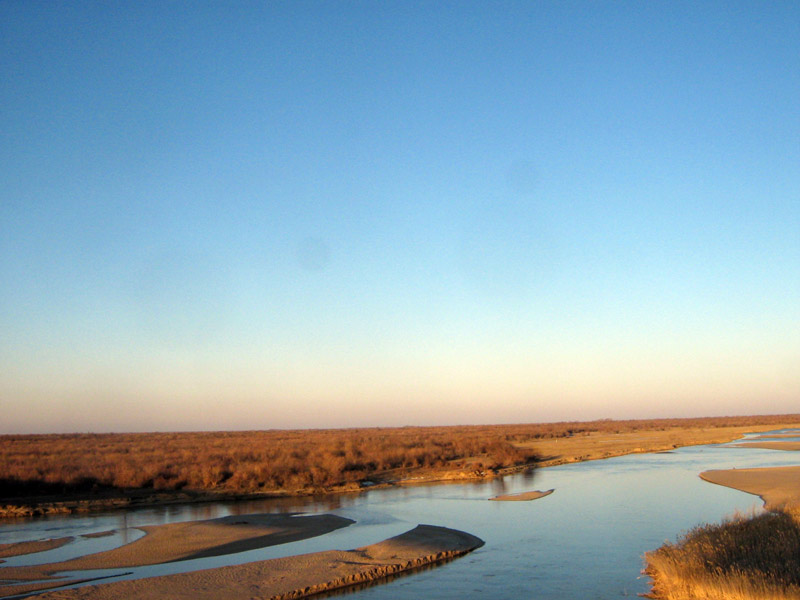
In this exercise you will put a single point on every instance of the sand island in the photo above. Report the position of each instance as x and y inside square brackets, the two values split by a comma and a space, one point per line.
[522, 496]
[294, 576]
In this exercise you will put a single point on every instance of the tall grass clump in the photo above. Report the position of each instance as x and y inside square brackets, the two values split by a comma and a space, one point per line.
[753, 557]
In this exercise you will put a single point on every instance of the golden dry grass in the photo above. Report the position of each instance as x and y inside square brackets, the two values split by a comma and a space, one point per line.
[239, 461]
[754, 557]
[51, 468]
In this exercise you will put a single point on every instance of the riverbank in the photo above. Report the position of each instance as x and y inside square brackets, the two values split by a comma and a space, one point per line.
[745, 557]
[340, 462]
[295, 576]
[600, 445]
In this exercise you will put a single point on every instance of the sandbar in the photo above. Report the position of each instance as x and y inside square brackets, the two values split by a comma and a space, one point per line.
[523, 496]
[38, 586]
[99, 534]
[20, 548]
[194, 539]
[294, 576]
[774, 445]
[778, 487]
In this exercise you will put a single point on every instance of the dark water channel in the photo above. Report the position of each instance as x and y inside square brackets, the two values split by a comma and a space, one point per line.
[586, 540]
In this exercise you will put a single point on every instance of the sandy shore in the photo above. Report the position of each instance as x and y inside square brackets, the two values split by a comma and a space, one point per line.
[38, 586]
[774, 445]
[778, 487]
[185, 541]
[598, 445]
[524, 496]
[291, 577]
[20, 548]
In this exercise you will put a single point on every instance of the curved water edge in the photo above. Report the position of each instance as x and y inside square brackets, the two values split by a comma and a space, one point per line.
[296, 576]
[585, 541]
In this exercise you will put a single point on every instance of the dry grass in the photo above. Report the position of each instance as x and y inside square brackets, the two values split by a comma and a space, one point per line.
[754, 557]
[239, 461]
[37, 467]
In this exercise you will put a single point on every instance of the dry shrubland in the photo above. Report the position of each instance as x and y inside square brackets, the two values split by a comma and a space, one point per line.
[238, 461]
[744, 558]
[283, 460]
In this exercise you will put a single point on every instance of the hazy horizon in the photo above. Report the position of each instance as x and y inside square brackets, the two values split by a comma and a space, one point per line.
[309, 215]
[188, 430]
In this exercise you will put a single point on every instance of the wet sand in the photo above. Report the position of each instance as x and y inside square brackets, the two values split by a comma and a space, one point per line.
[775, 445]
[291, 577]
[30, 588]
[20, 548]
[523, 496]
[99, 534]
[186, 541]
[778, 487]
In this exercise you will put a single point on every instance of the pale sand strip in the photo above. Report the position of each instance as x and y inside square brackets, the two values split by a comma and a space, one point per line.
[294, 576]
[19, 548]
[523, 496]
[194, 539]
[775, 445]
[778, 487]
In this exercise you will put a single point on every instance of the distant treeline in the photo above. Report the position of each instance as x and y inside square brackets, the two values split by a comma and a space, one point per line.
[283, 460]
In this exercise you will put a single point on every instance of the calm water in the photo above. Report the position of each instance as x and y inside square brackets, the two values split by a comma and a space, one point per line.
[586, 540]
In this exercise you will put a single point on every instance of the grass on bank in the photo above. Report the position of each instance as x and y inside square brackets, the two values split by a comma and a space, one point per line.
[755, 557]
[240, 462]
[84, 465]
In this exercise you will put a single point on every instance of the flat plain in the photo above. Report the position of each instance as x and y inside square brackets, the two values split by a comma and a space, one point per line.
[61, 473]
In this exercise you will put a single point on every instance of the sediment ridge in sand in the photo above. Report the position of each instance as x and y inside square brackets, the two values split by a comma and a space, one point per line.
[291, 577]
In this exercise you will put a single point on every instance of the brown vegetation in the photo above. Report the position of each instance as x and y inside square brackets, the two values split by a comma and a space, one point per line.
[741, 559]
[41, 468]
[41, 465]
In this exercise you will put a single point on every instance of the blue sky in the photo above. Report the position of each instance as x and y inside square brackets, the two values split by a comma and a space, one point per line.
[330, 214]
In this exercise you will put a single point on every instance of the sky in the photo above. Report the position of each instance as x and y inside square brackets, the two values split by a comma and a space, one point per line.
[254, 215]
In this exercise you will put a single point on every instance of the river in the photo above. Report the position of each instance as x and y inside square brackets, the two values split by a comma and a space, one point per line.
[586, 540]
